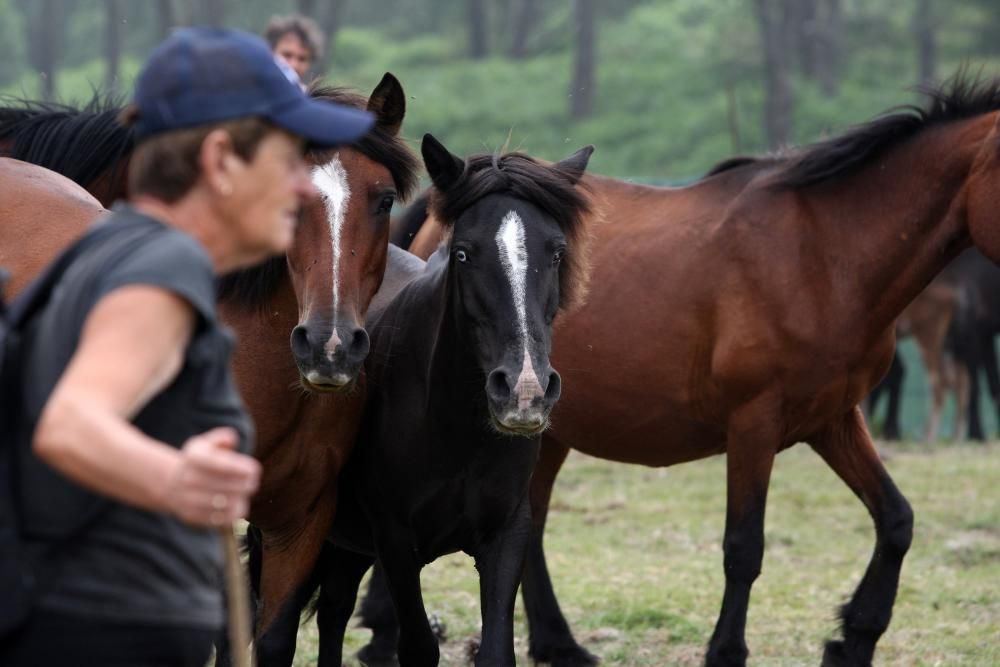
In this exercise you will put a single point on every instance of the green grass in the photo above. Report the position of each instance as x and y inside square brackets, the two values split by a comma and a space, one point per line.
[636, 559]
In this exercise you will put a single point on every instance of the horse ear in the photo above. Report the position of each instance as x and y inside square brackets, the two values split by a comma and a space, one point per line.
[443, 167]
[574, 166]
[388, 103]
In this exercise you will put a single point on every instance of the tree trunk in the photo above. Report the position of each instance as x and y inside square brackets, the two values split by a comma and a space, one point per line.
[165, 17]
[523, 23]
[478, 46]
[187, 14]
[808, 37]
[829, 40]
[307, 8]
[112, 46]
[214, 12]
[778, 105]
[329, 21]
[48, 40]
[926, 45]
[581, 92]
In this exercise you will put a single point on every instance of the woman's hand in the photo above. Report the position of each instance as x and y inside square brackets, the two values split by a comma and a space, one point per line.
[211, 484]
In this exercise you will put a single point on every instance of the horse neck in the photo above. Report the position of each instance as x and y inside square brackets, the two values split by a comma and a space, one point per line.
[452, 371]
[896, 223]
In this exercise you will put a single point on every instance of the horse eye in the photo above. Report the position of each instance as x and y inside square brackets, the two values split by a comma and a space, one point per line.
[557, 257]
[461, 256]
[385, 205]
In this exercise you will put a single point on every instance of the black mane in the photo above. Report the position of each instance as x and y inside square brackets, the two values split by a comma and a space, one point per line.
[961, 97]
[79, 143]
[254, 286]
[738, 161]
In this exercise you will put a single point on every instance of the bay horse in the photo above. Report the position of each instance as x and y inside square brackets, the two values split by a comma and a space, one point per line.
[753, 310]
[303, 399]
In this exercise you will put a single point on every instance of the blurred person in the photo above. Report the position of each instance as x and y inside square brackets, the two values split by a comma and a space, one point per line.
[141, 439]
[297, 40]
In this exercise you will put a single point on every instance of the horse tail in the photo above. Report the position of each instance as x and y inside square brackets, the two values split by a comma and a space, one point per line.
[406, 226]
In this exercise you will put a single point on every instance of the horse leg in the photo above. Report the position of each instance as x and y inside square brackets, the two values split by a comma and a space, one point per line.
[989, 356]
[847, 449]
[342, 571]
[960, 383]
[892, 384]
[500, 564]
[378, 615]
[751, 444]
[550, 639]
[288, 559]
[417, 644]
[276, 646]
[930, 354]
[972, 358]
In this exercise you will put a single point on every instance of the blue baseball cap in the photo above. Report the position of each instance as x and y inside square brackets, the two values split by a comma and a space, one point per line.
[206, 75]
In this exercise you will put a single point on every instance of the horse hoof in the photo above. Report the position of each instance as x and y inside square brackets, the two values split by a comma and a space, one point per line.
[835, 655]
[734, 657]
[373, 656]
[564, 656]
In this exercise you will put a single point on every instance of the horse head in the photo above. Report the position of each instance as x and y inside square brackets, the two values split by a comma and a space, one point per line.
[516, 254]
[337, 260]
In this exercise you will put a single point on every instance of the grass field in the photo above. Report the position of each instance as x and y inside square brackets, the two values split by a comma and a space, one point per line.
[636, 559]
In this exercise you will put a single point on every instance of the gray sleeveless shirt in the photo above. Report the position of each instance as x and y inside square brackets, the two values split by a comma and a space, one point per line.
[132, 565]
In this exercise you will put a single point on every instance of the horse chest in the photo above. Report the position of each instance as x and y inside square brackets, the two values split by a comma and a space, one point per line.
[463, 501]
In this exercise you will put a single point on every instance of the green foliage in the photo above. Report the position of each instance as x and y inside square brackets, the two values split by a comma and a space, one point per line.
[679, 82]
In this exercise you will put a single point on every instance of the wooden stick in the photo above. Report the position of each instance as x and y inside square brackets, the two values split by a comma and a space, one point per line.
[239, 606]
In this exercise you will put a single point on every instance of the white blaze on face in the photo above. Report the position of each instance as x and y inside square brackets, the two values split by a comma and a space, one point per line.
[514, 257]
[330, 180]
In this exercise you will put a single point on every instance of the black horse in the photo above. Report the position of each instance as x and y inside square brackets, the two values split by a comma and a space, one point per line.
[459, 391]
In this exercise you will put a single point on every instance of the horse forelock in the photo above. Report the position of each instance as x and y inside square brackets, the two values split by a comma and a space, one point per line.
[378, 145]
[554, 192]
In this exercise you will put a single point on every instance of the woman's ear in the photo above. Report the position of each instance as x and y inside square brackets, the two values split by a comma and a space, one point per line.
[219, 162]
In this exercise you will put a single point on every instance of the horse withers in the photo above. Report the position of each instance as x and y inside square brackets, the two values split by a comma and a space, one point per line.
[459, 390]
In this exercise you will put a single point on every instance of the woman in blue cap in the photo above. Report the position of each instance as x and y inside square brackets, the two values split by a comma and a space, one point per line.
[141, 442]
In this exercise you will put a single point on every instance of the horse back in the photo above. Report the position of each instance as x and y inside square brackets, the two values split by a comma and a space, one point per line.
[41, 213]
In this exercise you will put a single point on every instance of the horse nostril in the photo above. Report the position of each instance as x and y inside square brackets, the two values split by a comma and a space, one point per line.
[554, 389]
[498, 386]
[300, 343]
[360, 344]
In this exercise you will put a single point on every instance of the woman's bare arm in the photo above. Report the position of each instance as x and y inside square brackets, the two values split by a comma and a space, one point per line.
[131, 347]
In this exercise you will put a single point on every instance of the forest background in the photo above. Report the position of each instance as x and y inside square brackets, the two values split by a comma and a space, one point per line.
[663, 88]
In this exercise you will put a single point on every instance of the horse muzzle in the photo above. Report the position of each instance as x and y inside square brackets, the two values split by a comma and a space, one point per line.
[520, 405]
[332, 364]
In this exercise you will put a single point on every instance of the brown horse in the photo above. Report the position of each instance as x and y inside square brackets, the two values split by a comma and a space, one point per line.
[753, 310]
[304, 403]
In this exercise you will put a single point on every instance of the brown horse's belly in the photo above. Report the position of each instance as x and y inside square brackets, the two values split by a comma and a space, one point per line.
[632, 429]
